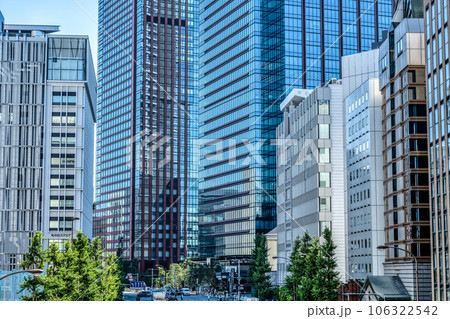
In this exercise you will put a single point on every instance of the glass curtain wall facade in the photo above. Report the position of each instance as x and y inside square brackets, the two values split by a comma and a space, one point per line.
[438, 84]
[147, 115]
[251, 56]
[314, 27]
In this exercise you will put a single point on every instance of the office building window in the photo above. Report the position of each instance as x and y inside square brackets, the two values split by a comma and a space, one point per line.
[64, 98]
[325, 204]
[324, 179]
[63, 140]
[63, 118]
[324, 107]
[323, 225]
[60, 224]
[62, 181]
[324, 130]
[62, 202]
[324, 155]
[63, 160]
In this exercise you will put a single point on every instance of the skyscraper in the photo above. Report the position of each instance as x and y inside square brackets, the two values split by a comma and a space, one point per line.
[438, 91]
[146, 193]
[406, 183]
[364, 139]
[251, 52]
[47, 116]
[311, 172]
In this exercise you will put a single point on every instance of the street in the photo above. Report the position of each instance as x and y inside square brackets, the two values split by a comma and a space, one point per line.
[131, 296]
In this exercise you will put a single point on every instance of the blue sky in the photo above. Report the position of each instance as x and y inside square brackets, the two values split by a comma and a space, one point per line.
[72, 18]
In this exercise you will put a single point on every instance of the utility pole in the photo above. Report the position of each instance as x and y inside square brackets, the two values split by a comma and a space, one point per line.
[175, 275]
[239, 280]
[152, 278]
[231, 281]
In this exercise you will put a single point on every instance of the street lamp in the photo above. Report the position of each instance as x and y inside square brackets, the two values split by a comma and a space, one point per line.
[384, 247]
[74, 218]
[34, 272]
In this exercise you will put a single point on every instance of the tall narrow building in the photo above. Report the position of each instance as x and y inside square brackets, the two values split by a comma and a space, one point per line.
[364, 139]
[438, 98]
[406, 183]
[311, 172]
[47, 115]
[146, 191]
[252, 53]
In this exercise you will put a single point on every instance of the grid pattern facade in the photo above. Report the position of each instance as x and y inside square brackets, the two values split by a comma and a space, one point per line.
[146, 179]
[47, 89]
[311, 172]
[364, 180]
[438, 84]
[22, 98]
[251, 52]
[69, 139]
[407, 219]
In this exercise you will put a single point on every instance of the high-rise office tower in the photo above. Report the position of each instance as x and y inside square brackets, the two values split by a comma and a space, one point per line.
[311, 172]
[438, 84]
[251, 52]
[407, 216]
[364, 164]
[47, 116]
[147, 126]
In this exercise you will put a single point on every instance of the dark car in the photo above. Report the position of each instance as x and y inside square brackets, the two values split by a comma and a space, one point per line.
[171, 298]
[144, 294]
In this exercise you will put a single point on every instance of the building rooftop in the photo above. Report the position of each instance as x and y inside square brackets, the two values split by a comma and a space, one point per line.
[27, 28]
[296, 96]
[388, 288]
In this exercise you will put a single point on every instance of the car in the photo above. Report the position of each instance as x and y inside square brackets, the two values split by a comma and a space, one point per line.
[144, 294]
[168, 290]
[186, 291]
[171, 298]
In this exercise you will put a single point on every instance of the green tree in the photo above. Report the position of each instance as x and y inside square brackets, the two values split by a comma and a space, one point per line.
[88, 264]
[109, 280]
[120, 273]
[297, 268]
[34, 259]
[326, 283]
[259, 267]
[309, 273]
[53, 283]
[79, 272]
[312, 275]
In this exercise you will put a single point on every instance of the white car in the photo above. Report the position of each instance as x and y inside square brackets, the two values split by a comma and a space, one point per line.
[185, 291]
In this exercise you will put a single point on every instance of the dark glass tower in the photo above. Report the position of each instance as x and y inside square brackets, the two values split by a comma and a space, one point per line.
[251, 52]
[147, 114]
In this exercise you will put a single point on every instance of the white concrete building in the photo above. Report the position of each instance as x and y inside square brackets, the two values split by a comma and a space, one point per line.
[311, 171]
[364, 141]
[47, 116]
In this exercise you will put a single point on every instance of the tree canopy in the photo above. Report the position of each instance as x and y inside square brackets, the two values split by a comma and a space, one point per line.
[259, 267]
[312, 275]
[80, 271]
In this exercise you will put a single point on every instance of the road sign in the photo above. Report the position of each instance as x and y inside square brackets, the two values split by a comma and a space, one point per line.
[137, 284]
[130, 277]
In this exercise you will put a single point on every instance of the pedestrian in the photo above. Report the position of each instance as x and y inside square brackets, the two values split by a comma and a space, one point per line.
[209, 297]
